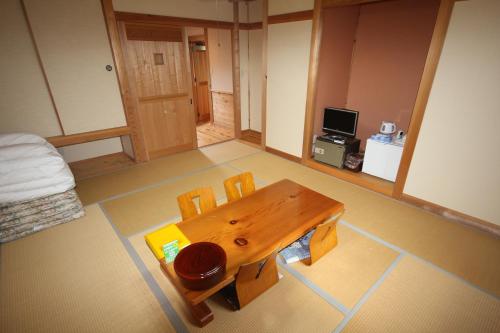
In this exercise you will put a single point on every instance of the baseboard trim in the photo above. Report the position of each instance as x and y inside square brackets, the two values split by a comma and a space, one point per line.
[169, 151]
[453, 215]
[283, 154]
[250, 131]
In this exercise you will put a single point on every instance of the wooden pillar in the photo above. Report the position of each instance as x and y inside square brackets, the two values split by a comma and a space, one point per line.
[236, 70]
[264, 73]
[131, 112]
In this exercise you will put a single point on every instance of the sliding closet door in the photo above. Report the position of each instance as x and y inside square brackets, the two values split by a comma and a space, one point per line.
[74, 49]
[157, 66]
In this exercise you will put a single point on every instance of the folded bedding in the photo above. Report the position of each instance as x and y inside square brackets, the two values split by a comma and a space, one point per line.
[36, 187]
[22, 218]
[31, 168]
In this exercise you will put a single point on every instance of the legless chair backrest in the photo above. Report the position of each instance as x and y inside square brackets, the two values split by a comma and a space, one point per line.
[324, 238]
[246, 183]
[255, 278]
[187, 206]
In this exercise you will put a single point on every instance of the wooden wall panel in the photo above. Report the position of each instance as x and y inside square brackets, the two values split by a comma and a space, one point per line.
[223, 109]
[164, 125]
[155, 80]
[153, 33]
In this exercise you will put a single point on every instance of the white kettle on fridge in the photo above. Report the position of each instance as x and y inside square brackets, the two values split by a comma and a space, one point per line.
[387, 127]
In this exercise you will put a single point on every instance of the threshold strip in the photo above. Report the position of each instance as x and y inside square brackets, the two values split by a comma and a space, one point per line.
[367, 295]
[167, 307]
[169, 180]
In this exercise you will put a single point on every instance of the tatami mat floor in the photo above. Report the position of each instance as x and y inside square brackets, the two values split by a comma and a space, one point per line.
[396, 268]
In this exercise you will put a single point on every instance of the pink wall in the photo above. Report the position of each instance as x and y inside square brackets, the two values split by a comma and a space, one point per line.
[339, 29]
[392, 42]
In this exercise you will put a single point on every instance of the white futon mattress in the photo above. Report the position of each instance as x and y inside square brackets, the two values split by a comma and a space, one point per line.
[31, 168]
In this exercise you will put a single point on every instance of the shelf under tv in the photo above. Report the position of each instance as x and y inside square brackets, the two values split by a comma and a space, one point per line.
[359, 178]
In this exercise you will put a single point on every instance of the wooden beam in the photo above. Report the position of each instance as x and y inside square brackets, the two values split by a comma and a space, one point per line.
[67, 140]
[129, 105]
[424, 90]
[291, 17]
[172, 20]
[312, 81]
[337, 3]
[236, 70]
[251, 26]
[283, 154]
[184, 22]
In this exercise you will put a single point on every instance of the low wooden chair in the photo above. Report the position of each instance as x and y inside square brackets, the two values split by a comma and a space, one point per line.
[187, 205]
[323, 239]
[246, 184]
[252, 280]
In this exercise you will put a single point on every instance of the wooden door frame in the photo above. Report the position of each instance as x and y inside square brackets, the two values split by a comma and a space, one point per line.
[210, 101]
[235, 47]
[134, 96]
[129, 103]
[428, 74]
[192, 39]
[112, 18]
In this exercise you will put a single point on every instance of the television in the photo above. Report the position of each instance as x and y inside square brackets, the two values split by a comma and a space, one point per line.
[340, 121]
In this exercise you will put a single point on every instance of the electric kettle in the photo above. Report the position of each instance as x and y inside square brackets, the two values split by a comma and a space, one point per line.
[387, 127]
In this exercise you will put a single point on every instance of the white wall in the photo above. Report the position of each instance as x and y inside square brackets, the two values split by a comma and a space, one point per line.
[244, 80]
[255, 79]
[74, 51]
[456, 162]
[220, 54]
[287, 71]
[251, 70]
[277, 7]
[25, 104]
[90, 149]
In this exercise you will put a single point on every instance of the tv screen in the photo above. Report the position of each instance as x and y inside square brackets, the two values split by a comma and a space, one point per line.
[340, 121]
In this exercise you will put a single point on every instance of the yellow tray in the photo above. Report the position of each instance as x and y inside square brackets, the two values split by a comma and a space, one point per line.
[160, 237]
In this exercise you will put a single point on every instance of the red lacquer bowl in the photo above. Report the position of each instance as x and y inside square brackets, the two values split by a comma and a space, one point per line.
[200, 265]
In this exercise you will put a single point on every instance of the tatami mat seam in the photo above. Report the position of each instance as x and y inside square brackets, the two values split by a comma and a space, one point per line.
[397, 249]
[402, 251]
[320, 292]
[170, 220]
[349, 313]
[367, 295]
[167, 307]
[170, 180]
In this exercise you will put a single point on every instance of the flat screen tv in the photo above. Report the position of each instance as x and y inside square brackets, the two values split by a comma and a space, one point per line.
[340, 121]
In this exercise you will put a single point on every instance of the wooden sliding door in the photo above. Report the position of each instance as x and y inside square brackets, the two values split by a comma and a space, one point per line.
[158, 68]
[201, 88]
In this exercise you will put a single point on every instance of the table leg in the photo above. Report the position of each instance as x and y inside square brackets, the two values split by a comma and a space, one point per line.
[201, 313]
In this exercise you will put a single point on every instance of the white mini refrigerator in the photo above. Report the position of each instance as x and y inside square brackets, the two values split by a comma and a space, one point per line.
[382, 159]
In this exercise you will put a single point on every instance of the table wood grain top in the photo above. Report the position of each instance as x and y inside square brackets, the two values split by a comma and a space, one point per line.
[272, 217]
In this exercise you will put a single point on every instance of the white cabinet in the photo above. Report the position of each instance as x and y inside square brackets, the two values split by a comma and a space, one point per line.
[382, 159]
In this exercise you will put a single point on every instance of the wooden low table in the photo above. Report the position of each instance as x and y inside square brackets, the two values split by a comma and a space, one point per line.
[272, 217]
